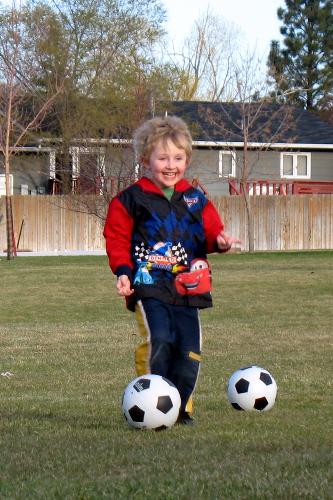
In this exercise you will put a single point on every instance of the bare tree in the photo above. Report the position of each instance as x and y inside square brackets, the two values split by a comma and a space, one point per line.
[252, 120]
[204, 66]
[23, 106]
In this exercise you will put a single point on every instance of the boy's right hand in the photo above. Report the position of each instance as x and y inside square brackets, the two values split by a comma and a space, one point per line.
[124, 286]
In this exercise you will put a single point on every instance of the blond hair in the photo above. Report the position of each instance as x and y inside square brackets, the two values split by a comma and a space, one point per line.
[153, 131]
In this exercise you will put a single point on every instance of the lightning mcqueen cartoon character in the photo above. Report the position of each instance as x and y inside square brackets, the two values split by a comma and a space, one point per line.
[196, 281]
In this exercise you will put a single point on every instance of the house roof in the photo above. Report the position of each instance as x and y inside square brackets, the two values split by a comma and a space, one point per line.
[271, 124]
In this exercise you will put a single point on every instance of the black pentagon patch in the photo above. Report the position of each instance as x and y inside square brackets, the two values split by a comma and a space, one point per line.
[137, 415]
[237, 407]
[260, 403]
[142, 384]
[164, 404]
[266, 378]
[168, 381]
[242, 385]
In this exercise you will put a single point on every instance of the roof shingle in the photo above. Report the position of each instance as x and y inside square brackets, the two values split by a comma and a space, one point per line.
[267, 123]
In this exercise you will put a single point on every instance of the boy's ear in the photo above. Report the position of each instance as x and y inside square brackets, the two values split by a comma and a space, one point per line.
[144, 162]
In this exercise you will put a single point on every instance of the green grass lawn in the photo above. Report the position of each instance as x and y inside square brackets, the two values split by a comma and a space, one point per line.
[68, 341]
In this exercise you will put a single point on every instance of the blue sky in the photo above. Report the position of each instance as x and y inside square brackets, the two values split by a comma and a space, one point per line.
[257, 19]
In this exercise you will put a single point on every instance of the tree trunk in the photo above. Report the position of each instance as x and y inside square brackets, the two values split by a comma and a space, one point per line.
[250, 233]
[245, 176]
[9, 214]
[10, 233]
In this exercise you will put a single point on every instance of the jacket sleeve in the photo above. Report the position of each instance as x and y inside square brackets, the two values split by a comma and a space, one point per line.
[118, 235]
[213, 225]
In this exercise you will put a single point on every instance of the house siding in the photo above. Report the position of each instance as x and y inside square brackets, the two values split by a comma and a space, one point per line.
[33, 169]
[322, 166]
[263, 165]
[30, 169]
[205, 167]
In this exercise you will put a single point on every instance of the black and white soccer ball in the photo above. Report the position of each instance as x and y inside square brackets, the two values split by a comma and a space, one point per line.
[151, 402]
[252, 389]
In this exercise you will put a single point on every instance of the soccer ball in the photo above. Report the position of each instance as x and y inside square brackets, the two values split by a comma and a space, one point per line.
[151, 402]
[252, 388]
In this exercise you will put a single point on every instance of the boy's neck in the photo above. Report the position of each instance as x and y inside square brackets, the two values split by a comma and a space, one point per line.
[168, 192]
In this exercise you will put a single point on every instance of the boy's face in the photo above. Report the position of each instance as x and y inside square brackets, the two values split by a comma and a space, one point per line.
[167, 164]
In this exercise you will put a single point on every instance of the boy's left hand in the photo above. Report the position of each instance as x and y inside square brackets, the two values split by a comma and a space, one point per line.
[225, 242]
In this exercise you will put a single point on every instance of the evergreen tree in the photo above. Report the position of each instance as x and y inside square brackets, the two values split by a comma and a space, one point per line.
[302, 69]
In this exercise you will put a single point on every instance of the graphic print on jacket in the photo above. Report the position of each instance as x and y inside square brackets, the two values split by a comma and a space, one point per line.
[163, 255]
[196, 281]
[167, 237]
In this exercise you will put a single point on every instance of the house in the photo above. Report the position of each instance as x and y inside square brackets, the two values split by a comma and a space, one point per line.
[284, 145]
[275, 148]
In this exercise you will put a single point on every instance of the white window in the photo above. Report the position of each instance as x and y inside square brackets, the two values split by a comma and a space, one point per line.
[83, 157]
[52, 164]
[3, 184]
[137, 171]
[227, 164]
[295, 165]
[75, 152]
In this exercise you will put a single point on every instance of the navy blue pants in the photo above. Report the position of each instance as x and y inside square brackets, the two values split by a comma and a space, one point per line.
[172, 346]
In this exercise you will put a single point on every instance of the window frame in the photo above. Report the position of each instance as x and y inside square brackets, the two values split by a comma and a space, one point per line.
[294, 163]
[233, 164]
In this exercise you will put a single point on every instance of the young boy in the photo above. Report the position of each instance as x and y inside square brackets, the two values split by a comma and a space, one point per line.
[158, 233]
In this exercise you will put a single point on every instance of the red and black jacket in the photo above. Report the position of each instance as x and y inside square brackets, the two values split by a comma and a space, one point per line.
[162, 245]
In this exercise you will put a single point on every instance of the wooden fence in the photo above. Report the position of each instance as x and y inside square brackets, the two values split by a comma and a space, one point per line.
[52, 223]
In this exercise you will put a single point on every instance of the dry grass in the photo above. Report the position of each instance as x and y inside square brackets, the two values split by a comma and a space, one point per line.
[69, 343]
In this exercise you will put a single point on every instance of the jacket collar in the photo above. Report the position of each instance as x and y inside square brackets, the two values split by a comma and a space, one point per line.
[148, 185]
